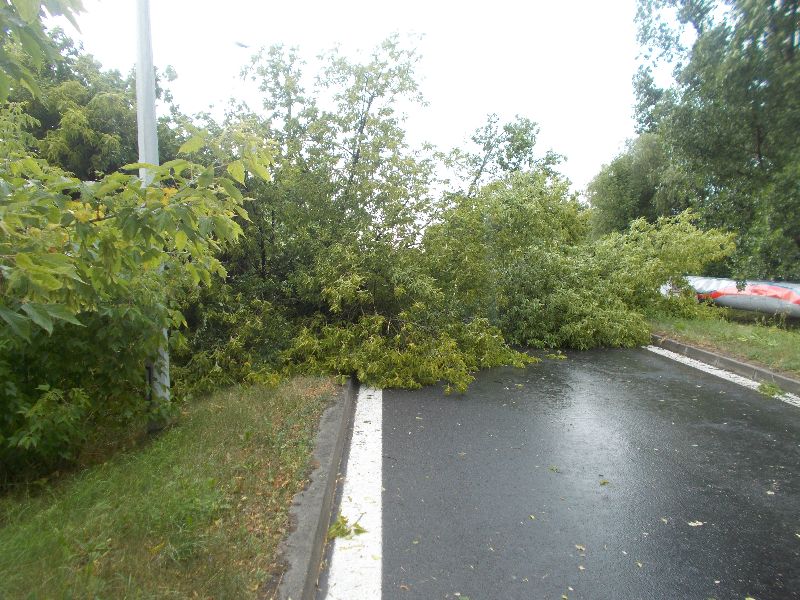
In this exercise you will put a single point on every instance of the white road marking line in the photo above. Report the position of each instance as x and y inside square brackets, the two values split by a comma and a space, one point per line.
[748, 383]
[356, 563]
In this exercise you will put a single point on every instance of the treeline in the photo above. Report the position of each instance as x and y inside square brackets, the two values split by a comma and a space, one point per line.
[306, 235]
[723, 138]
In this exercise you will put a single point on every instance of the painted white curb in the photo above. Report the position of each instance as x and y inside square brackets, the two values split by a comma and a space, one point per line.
[356, 562]
[744, 381]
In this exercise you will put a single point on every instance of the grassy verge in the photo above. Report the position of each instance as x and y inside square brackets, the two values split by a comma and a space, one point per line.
[772, 347]
[198, 512]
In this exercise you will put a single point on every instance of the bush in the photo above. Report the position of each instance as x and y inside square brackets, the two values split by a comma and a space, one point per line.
[231, 340]
[86, 269]
[519, 255]
[63, 389]
[408, 354]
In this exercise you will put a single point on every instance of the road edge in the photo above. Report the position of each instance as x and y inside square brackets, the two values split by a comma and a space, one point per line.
[738, 367]
[311, 508]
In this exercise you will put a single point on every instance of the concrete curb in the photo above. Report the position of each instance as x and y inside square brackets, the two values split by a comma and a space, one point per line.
[759, 374]
[311, 508]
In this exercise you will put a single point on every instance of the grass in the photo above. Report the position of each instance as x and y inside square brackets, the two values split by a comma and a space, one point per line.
[768, 345]
[197, 512]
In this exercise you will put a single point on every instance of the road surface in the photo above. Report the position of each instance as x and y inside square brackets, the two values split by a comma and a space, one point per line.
[615, 474]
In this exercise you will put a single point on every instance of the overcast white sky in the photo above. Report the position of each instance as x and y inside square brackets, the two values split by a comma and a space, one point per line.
[566, 65]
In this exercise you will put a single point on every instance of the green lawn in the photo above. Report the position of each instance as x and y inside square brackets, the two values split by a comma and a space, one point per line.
[766, 345]
[197, 512]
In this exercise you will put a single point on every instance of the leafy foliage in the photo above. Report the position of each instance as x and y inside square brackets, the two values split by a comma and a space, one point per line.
[88, 268]
[346, 256]
[719, 130]
[70, 246]
[530, 267]
[20, 25]
[82, 269]
[86, 117]
[500, 149]
[634, 185]
[408, 355]
[382, 280]
[341, 528]
[233, 340]
[334, 236]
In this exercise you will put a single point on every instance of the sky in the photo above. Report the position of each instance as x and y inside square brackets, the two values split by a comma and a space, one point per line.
[566, 65]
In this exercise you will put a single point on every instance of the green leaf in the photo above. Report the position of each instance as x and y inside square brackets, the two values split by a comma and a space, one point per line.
[44, 280]
[39, 275]
[59, 264]
[180, 240]
[259, 169]
[236, 170]
[138, 165]
[27, 9]
[190, 268]
[32, 47]
[178, 320]
[230, 188]
[242, 213]
[193, 144]
[29, 83]
[223, 227]
[18, 324]
[39, 316]
[31, 166]
[66, 8]
[179, 165]
[206, 177]
[62, 313]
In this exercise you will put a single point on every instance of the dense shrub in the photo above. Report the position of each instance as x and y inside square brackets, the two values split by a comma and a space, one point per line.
[405, 355]
[87, 271]
[232, 339]
[520, 255]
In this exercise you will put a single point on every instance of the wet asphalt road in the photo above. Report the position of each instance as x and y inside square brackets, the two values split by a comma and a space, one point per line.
[580, 478]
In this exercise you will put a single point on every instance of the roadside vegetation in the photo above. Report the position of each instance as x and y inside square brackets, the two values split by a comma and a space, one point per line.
[714, 138]
[304, 236]
[768, 345]
[196, 512]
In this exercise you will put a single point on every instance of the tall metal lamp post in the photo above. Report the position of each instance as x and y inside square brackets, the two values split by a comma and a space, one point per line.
[158, 372]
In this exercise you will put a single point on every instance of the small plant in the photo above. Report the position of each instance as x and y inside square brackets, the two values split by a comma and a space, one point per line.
[769, 389]
[341, 528]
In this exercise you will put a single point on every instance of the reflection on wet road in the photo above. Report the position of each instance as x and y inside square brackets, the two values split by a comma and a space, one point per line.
[609, 475]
